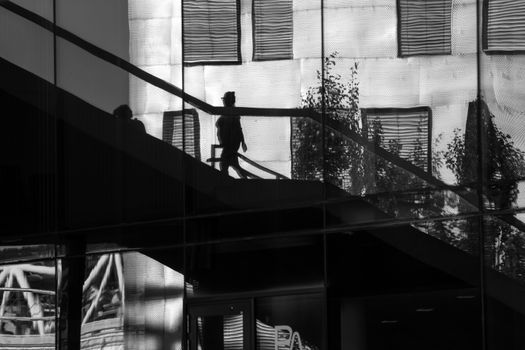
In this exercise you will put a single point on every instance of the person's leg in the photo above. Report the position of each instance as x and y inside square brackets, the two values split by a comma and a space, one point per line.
[223, 165]
[226, 160]
[240, 171]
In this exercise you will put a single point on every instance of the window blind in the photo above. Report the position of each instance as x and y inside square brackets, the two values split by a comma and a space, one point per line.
[410, 129]
[424, 27]
[273, 29]
[505, 25]
[211, 31]
[187, 138]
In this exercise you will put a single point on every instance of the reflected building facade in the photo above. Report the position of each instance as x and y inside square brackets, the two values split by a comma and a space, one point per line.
[383, 207]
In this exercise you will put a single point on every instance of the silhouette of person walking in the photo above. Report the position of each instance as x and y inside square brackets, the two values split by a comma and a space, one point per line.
[229, 133]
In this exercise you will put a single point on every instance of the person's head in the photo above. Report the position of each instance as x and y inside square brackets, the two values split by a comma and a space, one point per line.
[123, 112]
[228, 99]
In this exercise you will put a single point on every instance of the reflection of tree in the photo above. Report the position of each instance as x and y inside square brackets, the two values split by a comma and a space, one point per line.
[346, 164]
[341, 103]
[502, 167]
[503, 164]
[401, 193]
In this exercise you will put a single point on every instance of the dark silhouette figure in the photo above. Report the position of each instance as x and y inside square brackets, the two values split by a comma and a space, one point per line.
[229, 133]
[124, 114]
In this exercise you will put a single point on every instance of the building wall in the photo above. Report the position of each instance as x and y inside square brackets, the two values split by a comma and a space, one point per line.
[362, 31]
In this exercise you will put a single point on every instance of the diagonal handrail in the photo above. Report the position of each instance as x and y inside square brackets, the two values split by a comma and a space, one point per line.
[262, 168]
[335, 126]
[214, 160]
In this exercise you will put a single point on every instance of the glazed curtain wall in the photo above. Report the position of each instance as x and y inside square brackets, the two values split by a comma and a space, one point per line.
[458, 178]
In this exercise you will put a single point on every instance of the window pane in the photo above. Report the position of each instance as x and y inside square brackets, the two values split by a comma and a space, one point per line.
[211, 31]
[273, 29]
[424, 27]
[505, 30]
[28, 307]
[131, 301]
[289, 322]
[406, 132]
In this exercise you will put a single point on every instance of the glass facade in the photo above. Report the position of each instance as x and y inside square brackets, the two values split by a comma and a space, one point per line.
[262, 174]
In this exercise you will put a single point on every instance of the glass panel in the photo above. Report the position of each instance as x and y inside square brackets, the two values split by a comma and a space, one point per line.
[42, 8]
[431, 321]
[154, 287]
[275, 90]
[501, 106]
[395, 125]
[270, 264]
[220, 332]
[132, 300]
[26, 44]
[371, 184]
[28, 141]
[255, 223]
[157, 235]
[28, 307]
[289, 322]
[265, 176]
[20, 253]
[97, 22]
[393, 260]
[505, 277]
[397, 286]
[133, 176]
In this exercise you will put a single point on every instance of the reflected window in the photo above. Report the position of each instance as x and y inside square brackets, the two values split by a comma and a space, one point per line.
[132, 301]
[405, 132]
[102, 301]
[181, 129]
[504, 25]
[211, 31]
[424, 27]
[272, 29]
[289, 323]
[219, 326]
[28, 308]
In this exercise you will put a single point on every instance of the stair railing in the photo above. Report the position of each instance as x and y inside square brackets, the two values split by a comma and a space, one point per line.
[214, 160]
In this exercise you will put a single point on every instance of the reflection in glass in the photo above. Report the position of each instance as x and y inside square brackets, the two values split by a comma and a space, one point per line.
[102, 301]
[28, 309]
[289, 323]
[248, 266]
[130, 301]
[218, 332]
[439, 320]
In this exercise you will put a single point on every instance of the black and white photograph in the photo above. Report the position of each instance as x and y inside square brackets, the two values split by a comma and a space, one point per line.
[262, 174]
